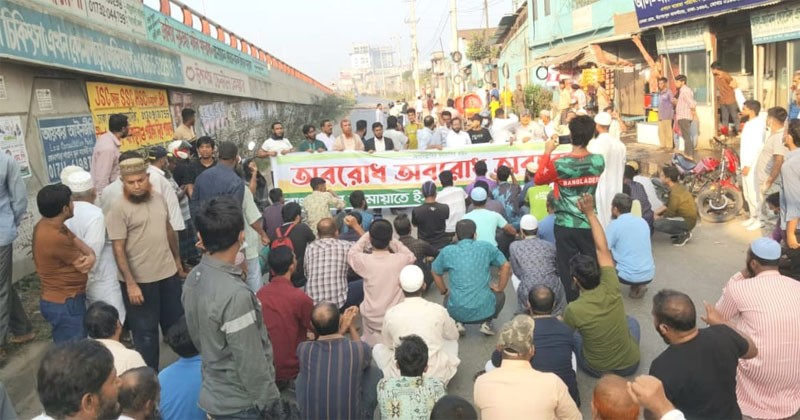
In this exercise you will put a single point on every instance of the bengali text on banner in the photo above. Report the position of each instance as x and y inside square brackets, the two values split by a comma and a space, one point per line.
[147, 110]
[393, 179]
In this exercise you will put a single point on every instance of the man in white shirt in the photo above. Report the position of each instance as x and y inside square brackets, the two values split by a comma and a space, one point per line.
[379, 114]
[103, 324]
[427, 139]
[752, 142]
[456, 137]
[157, 157]
[88, 224]
[430, 321]
[326, 134]
[399, 138]
[275, 144]
[455, 198]
[502, 127]
[527, 130]
[418, 106]
[613, 152]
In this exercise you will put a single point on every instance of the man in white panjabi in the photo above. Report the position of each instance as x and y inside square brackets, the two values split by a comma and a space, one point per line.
[613, 151]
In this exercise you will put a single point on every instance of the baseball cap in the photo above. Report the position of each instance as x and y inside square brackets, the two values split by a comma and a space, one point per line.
[766, 248]
[156, 153]
[478, 194]
[411, 278]
[528, 222]
[516, 336]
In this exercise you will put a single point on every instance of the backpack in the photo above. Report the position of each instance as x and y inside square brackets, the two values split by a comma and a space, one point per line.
[282, 238]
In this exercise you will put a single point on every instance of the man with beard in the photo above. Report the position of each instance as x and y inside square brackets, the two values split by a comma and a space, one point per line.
[698, 368]
[348, 141]
[326, 133]
[139, 394]
[456, 137]
[77, 380]
[63, 262]
[105, 157]
[146, 251]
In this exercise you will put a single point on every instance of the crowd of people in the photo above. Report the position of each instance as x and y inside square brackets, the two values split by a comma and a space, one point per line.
[318, 308]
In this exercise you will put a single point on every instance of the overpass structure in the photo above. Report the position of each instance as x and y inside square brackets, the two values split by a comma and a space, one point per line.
[66, 65]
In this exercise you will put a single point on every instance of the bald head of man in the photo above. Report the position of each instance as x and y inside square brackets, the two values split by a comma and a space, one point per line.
[541, 300]
[611, 400]
[325, 318]
[674, 315]
[326, 228]
[139, 393]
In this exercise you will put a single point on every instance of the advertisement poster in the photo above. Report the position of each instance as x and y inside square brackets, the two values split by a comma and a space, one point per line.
[12, 142]
[663, 12]
[147, 110]
[66, 141]
[394, 179]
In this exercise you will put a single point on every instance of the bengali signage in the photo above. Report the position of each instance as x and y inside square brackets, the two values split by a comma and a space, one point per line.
[665, 12]
[393, 179]
[121, 15]
[682, 38]
[206, 77]
[176, 36]
[147, 110]
[780, 23]
[29, 35]
[66, 141]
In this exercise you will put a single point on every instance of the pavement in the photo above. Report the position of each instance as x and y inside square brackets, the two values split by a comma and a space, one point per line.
[701, 269]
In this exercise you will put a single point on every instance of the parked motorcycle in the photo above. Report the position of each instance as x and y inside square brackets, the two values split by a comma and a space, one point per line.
[713, 183]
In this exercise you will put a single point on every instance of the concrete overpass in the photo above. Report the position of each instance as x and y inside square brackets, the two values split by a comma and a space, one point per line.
[66, 65]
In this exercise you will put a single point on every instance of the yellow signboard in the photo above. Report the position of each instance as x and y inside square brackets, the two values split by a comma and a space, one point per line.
[147, 110]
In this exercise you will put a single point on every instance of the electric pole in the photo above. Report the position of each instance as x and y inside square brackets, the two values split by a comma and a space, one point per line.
[453, 43]
[414, 50]
[486, 12]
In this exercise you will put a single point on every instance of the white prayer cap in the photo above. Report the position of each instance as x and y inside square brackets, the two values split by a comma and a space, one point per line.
[603, 118]
[411, 278]
[69, 170]
[79, 182]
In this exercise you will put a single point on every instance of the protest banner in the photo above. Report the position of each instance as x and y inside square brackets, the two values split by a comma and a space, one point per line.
[147, 110]
[66, 141]
[393, 179]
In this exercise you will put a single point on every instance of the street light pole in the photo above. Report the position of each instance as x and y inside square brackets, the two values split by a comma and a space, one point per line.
[453, 42]
[414, 50]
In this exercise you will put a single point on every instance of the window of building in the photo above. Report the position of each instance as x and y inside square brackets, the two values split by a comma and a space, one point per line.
[694, 65]
[736, 54]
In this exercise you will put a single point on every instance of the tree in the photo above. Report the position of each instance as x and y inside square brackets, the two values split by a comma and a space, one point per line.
[479, 49]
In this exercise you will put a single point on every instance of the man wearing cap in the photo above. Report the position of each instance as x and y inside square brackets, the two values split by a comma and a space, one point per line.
[430, 218]
[613, 152]
[113, 191]
[219, 180]
[105, 157]
[146, 250]
[533, 262]
[428, 320]
[505, 392]
[156, 170]
[487, 221]
[380, 270]
[88, 224]
[472, 297]
[455, 199]
[762, 304]
[629, 241]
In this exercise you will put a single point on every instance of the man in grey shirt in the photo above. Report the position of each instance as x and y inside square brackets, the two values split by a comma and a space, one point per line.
[768, 166]
[225, 320]
[14, 324]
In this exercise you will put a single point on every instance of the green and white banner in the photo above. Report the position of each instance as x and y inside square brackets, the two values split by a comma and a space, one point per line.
[394, 179]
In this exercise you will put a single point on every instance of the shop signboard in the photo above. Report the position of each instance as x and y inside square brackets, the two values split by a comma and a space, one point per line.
[780, 23]
[666, 12]
[66, 141]
[147, 110]
[682, 38]
[206, 77]
[119, 15]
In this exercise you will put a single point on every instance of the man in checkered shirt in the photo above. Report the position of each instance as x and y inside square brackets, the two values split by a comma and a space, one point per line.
[326, 266]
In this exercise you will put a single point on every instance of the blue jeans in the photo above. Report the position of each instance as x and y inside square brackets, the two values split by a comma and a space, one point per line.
[633, 327]
[65, 318]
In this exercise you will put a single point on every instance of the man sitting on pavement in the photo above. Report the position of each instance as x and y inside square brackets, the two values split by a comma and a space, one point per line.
[611, 401]
[555, 347]
[455, 198]
[629, 241]
[428, 320]
[431, 217]
[762, 304]
[139, 394]
[679, 217]
[298, 234]
[181, 381]
[336, 380]
[547, 225]
[481, 171]
[487, 222]
[607, 341]
[533, 262]
[505, 392]
[422, 250]
[326, 266]
[698, 369]
[102, 324]
[507, 193]
[472, 296]
[380, 270]
[411, 395]
[637, 191]
[287, 314]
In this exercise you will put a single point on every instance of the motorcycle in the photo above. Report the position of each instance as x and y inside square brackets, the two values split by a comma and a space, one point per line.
[713, 183]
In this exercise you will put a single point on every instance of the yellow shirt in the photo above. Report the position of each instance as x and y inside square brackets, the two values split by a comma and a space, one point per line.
[494, 106]
[411, 133]
[505, 98]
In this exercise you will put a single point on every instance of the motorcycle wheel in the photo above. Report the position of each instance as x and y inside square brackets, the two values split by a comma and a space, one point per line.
[719, 206]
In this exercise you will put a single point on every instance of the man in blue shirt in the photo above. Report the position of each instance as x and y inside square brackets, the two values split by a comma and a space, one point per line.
[486, 221]
[547, 225]
[182, 380]
[629, 240]
[472, 297]
[219, 180]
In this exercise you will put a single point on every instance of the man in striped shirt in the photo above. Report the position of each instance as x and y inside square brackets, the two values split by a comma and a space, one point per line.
[763, 305]
[685, 113]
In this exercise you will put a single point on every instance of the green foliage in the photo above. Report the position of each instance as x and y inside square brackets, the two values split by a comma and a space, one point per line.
[537, 98]
[479, 49]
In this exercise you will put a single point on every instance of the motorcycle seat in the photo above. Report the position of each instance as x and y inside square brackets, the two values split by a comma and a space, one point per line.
[685, 163]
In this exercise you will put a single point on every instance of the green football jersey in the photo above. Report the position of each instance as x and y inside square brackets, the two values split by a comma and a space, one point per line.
[576, 176]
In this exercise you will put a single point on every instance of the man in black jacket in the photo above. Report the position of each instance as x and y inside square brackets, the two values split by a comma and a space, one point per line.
[379, 143]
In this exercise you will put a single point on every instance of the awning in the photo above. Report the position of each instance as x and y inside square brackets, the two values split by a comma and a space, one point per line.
[584, 53]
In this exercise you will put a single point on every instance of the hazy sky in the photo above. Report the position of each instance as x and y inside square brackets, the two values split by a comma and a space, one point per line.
[316, 35]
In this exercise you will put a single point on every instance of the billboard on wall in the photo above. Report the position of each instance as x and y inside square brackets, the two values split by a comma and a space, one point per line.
[665, 12]
[147, 110]
[66, 141]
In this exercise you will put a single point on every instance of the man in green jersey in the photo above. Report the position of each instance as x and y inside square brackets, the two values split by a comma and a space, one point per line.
[573, 174]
